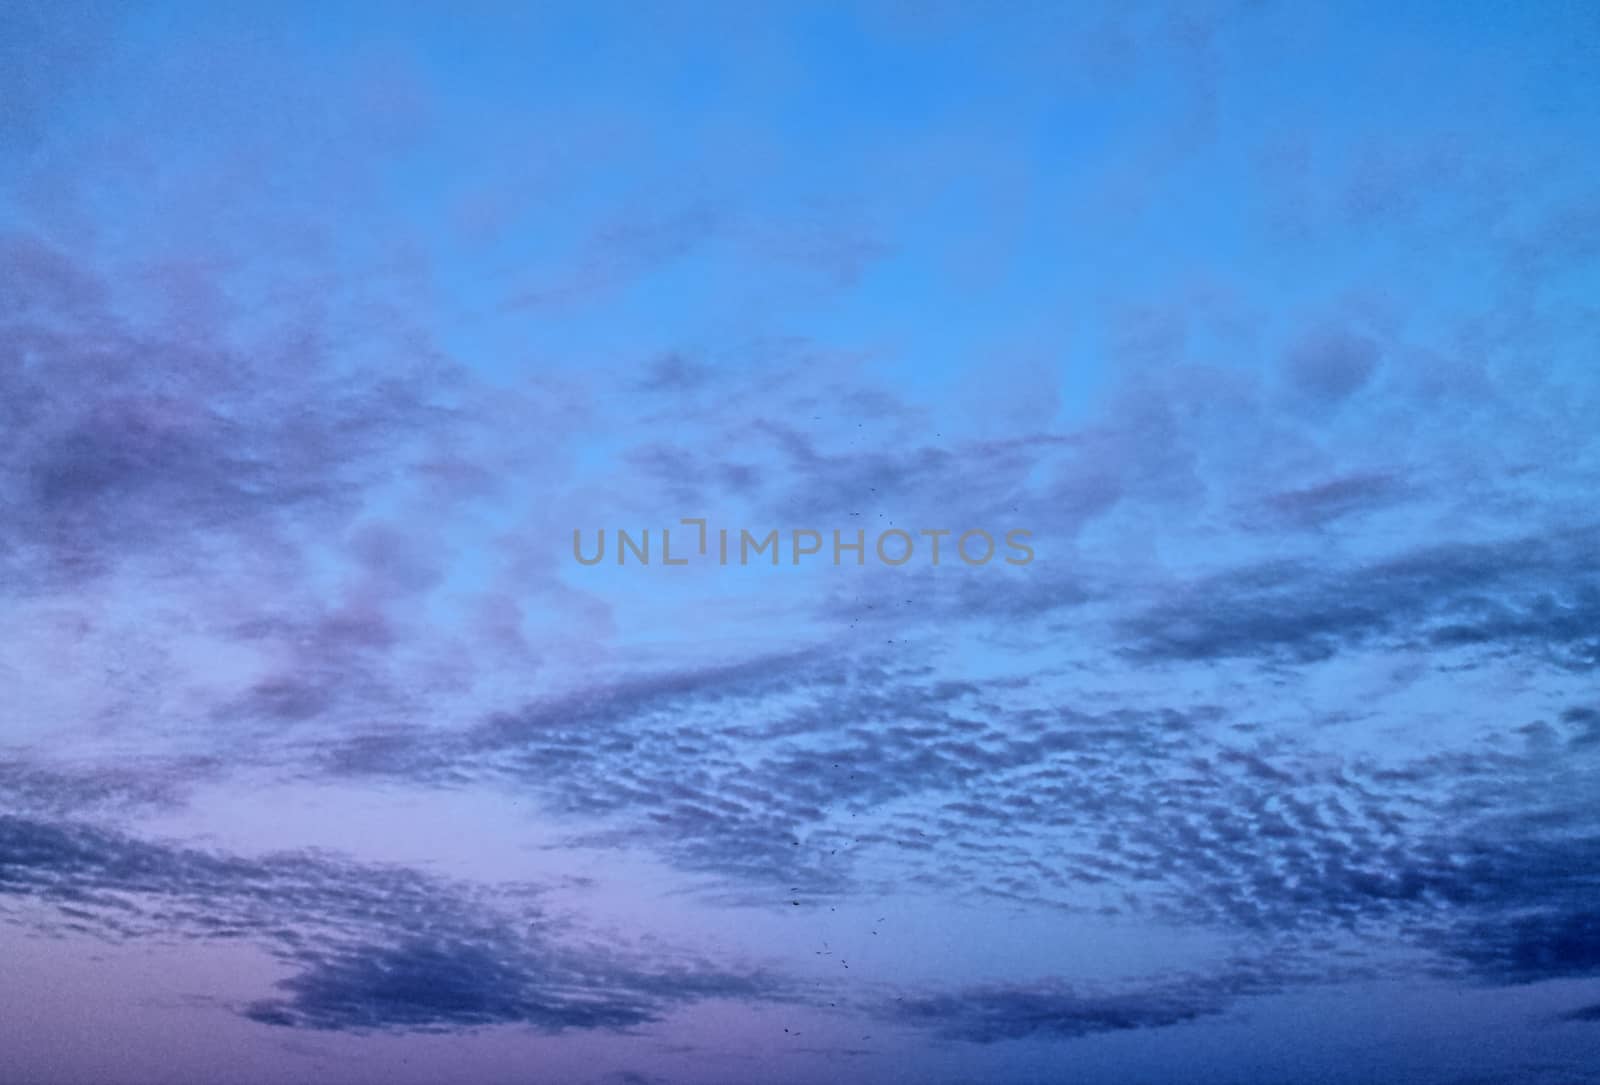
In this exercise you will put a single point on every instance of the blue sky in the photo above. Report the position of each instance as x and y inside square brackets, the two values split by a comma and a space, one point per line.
[325, 327]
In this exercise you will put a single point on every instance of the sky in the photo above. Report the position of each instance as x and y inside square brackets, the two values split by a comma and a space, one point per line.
[332, 336]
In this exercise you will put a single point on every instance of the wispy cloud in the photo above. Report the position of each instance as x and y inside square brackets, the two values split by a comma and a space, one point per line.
[374, 947]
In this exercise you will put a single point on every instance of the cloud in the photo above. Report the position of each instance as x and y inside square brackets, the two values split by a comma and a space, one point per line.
[810, 776]
[129, 442]
[374, 947]
[792, 776]
[61, 790]
[1311, 688]
[1324, 502]
[620, 252]
[422, 983]
[1536, 596]
[1536, 943]
[1055, 1010]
